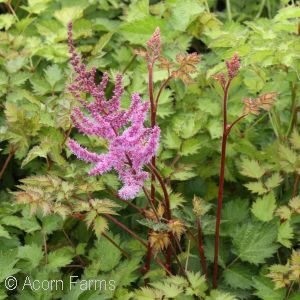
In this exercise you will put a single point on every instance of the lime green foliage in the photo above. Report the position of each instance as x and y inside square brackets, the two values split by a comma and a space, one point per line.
[54, 220]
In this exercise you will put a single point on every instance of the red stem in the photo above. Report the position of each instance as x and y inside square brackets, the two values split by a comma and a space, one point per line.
[295, 185]
[147, 263]
[153, 160]
[116, 245]
[125, 228]
[201, 248]
[165, 191]
[160, 91]
[8, 159]
[221, 184]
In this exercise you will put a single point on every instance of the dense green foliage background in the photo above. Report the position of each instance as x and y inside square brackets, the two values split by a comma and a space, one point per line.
[258, 227]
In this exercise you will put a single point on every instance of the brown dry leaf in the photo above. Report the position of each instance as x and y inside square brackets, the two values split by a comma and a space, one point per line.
[266, 101]
[165, 63]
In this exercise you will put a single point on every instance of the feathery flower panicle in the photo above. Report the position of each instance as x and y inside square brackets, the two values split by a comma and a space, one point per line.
[154, 44]
[233, 66]
[131, 145]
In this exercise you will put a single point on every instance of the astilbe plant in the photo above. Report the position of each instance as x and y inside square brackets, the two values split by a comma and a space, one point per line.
[251, 106]
[131, 144]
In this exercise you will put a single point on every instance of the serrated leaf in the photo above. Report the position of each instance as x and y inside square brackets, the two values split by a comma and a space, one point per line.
[265, 289]
[154, 225]
[295, 140]
[4, 232]
[254, 242]
[287, 154]
[219, 295]
[53, 74]
[60, 258]
[139, 31]
[183, 13]
[263, 208]
[100, 225]
[190, 147]
[64, 14]
[36, 151]
[285, 234]
[8, 261]
[256, 187]
[287, 13]
[6, 21]
[251, 168]
[31, 253]
[171, 140]
[198, 284]
[239, 276]
[274, 181]
[106, 253]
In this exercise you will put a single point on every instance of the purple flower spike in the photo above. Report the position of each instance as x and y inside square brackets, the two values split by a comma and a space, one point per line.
[131, 145]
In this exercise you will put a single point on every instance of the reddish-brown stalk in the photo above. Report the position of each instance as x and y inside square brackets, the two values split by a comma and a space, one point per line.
[226, 130]
[8, 159]
[153, 106]
[221, 184]
[201, 248]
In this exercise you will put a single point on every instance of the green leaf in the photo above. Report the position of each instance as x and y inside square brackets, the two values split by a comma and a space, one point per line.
[171, 140]
[51, 223]
[251, 168]
[4, 233]
[60, 258]
[64, 14]
[31, 253]
[285, 234]
[235, 211]
[295, 140]
[14, 65]
[289, 12]
[139, 31]
[219, 295]
[287, 154]
[198, 284]
[263, 208]
[40, 86]
[36, 151]
[6, 21]
[274, 181]
[53, 74]
[239, 276]
[138, 9]
[100, 225]
[184, 13]
[265, 289]
[256, 187]
[36, 6]
[215, 129]
[8, 260]
[106, 253]
[154, 225]
[190, 147]
[105, 38]
[254, 242]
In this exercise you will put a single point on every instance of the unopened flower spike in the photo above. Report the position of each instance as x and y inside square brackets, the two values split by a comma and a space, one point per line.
[233, 66]
[130, 144]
